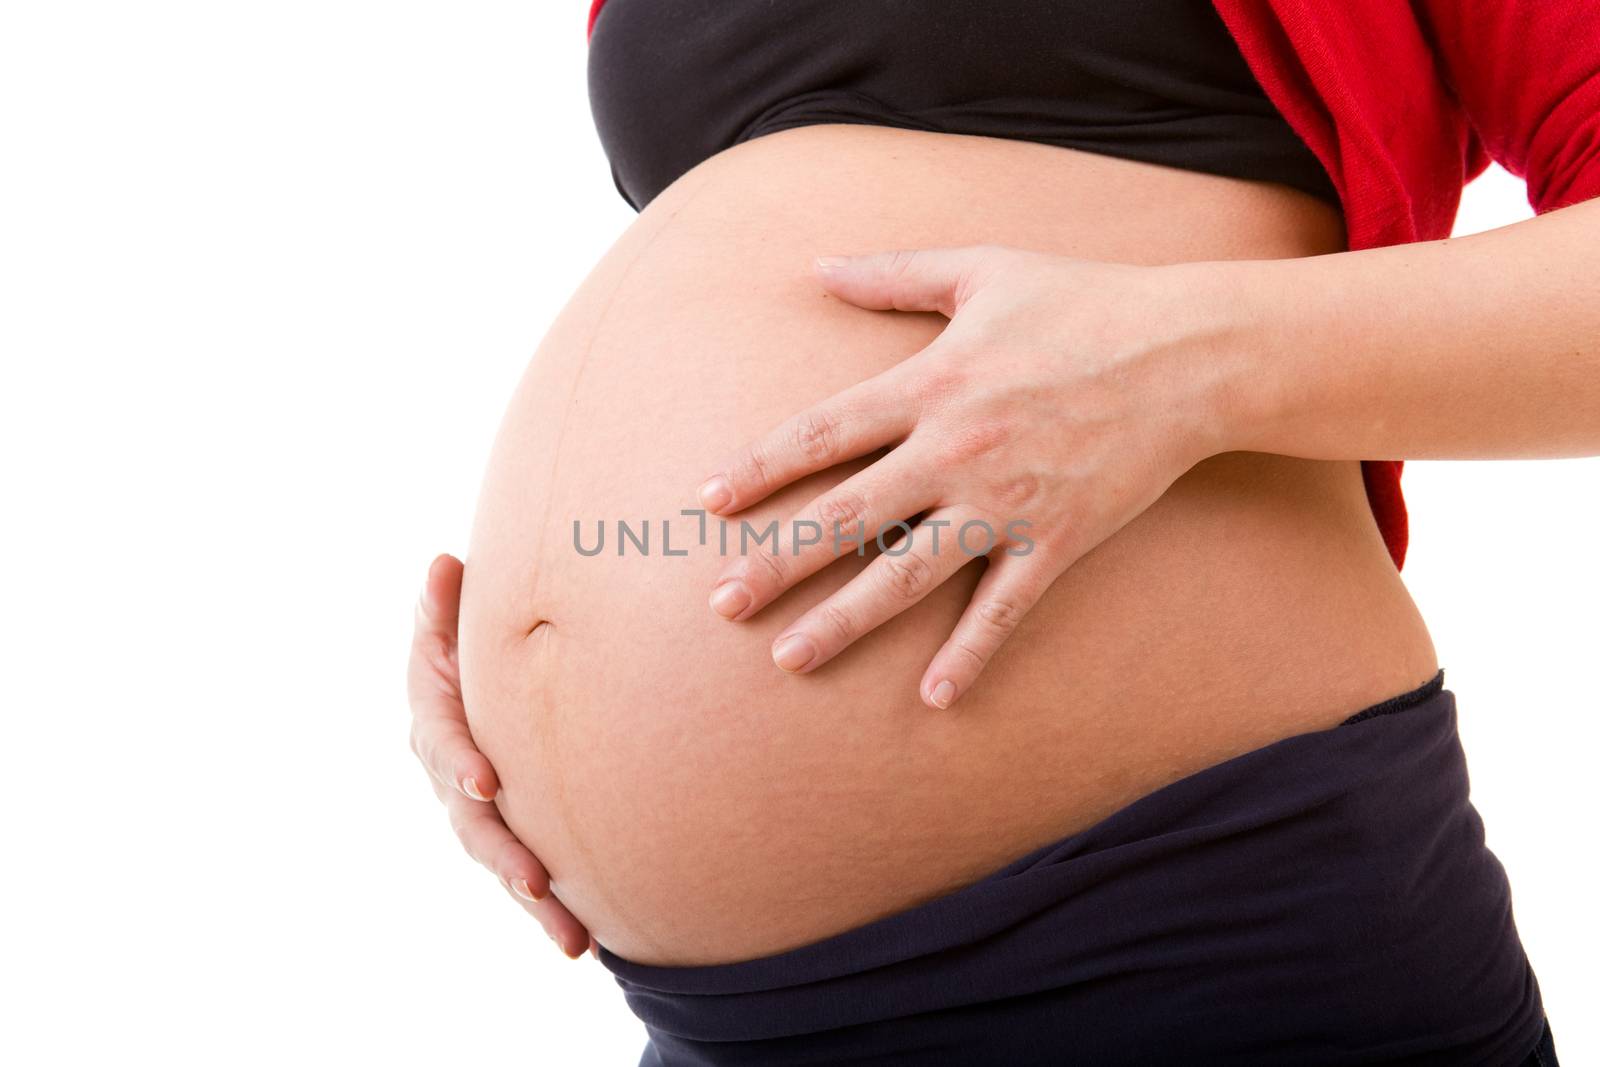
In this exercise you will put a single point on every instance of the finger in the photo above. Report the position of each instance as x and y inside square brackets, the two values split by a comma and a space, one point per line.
[439, 734]
[440, 605]
[900, 576]
[1005, 594]
[843, 519]
[559, 924]
[441, 739]
[488, 840]
[462, 778]
[865, 416]
[929, 279]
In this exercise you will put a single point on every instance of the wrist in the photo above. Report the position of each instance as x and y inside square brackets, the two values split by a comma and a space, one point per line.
[1232, 352]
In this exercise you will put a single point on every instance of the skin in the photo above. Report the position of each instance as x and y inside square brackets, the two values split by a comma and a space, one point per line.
[1332, 357]
[461, 777]
[1214, 565]
[1129, 412]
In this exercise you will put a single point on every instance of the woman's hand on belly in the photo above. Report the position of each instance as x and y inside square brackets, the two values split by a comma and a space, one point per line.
[1063, 399]
[461, 776]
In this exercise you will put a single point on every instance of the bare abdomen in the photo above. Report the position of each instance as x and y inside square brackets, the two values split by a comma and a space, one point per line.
[695, 804]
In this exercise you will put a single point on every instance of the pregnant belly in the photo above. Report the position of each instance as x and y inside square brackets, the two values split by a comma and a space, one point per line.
[693, 803]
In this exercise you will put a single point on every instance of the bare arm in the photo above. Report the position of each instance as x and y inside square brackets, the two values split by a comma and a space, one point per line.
[1071, 394]
[1477, 347]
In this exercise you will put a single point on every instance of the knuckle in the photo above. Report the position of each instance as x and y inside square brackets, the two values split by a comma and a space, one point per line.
[436, 646]
[982, 266]
[901, 263]
[978, 438]
[841, 509]
[905, 577]
[427, 750]
[963, 650]
[432, 651]
[999, 615]
[838, 622]
[816, 436]
[463, 831]
[939, 386]
[427, 753]
[766, 569]
[1018, 491]
[506, 855]
[755, 470]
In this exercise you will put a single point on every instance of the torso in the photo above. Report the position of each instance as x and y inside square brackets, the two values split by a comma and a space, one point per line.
[695, 804]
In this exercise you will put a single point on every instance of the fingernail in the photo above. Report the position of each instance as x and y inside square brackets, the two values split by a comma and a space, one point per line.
[716, 493]
[943, 694]
[729, 599]
[522, 889]
[794, 652]
[831, 262]
[469, 786]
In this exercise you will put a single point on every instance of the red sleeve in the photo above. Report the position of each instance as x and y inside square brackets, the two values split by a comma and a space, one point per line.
[1527, 74]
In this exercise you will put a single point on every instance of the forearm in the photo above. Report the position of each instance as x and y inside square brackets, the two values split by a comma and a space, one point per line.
[1478, 347]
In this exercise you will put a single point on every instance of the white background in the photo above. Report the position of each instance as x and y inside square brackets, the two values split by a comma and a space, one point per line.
[270, 272]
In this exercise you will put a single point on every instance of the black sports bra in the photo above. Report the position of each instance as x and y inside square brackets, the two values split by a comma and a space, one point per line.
[673, 82]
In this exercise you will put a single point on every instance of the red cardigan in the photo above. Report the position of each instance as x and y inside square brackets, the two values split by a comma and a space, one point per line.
[1405, 102]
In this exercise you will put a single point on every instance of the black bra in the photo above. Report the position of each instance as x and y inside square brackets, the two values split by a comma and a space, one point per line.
[673, 82]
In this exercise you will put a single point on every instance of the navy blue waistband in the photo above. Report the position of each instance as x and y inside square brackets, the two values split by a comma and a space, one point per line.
[1403, 702]
[1327, 899]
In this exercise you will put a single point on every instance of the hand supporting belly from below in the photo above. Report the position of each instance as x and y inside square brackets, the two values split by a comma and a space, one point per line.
[695, 804]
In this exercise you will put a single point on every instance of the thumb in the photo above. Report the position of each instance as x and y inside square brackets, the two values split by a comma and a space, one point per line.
[929, 279]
